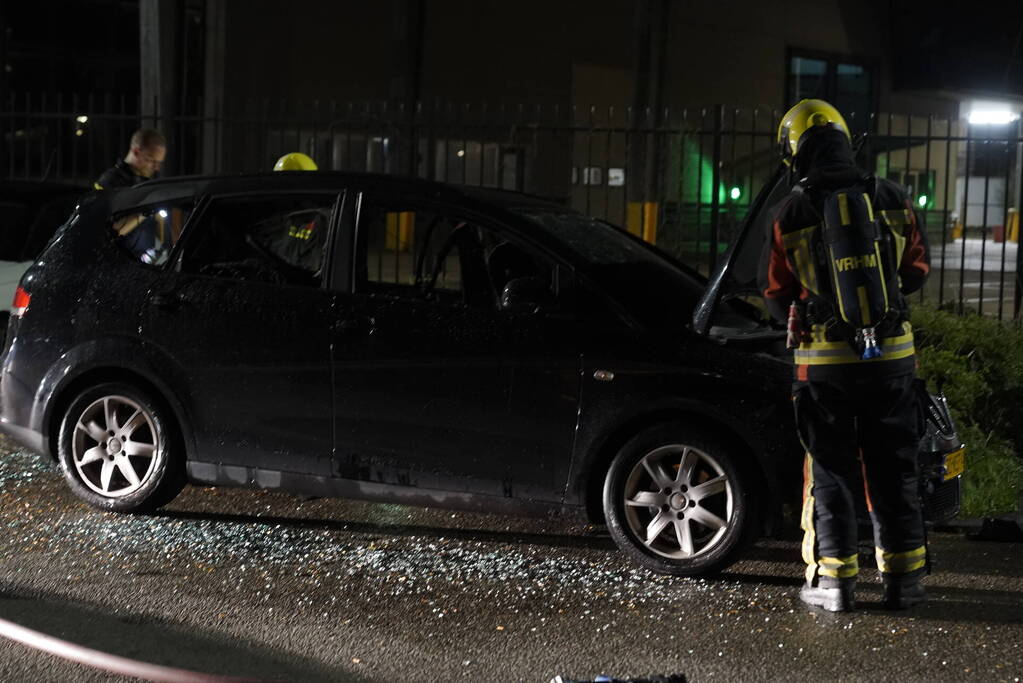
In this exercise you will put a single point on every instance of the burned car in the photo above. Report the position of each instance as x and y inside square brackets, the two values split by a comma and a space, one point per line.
[400, 340]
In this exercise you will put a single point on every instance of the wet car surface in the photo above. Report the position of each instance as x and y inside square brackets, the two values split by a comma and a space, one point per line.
[387, 339]
[263, 583]
[30, 213]
[401, 341]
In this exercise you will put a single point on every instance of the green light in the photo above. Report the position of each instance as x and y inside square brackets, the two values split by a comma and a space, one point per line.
[922, 201]
[735, 193]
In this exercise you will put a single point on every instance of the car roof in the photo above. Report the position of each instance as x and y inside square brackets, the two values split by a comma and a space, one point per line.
[170, 189]
[38, 189]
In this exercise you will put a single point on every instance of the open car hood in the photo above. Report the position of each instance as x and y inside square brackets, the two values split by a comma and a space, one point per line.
[736, 274]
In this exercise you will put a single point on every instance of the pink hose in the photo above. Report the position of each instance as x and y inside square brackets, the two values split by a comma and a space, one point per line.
[108, 662]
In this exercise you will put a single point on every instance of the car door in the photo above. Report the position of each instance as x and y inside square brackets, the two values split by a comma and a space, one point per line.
[245, 316]
[736, 276]
[437, 388]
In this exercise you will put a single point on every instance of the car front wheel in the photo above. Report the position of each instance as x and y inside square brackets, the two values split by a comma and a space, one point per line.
[118, 451]
[679, 501]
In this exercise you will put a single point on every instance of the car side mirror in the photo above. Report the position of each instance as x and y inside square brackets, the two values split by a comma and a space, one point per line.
[526, 295]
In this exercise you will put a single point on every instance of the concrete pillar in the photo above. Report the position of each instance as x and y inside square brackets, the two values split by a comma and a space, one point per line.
[643, 180]
[213, 87]
[160, 59]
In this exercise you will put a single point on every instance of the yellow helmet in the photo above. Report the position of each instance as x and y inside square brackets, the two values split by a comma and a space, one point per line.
[295, 161]
[801, 118]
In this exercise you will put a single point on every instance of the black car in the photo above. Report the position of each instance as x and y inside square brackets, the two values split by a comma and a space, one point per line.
[400, 340]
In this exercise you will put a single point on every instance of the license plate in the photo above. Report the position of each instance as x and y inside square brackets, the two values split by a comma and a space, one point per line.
[955, 462]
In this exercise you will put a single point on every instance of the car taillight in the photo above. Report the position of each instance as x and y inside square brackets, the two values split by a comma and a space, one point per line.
[20, 304]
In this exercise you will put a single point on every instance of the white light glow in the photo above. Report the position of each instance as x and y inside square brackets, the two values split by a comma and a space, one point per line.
[82, 119]
[997, 117]
[163, 213]
[460, 153]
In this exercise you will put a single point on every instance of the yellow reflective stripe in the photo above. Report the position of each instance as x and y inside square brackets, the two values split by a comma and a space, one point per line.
[840, 567]
[900, 243]
[901, 563]
[798, 243]
[841, 345]
[843, 208]
[889, 352]
[870, 206]
[897, 218]
[806, 521]
[790, 240]
[894, 217]
[97, 186]
[884, 285]
[906, 336]
[837, 352]
[861, 292]
[804, 265]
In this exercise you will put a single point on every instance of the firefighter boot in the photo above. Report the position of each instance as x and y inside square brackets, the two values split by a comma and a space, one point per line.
[903, 590]
[833, 595]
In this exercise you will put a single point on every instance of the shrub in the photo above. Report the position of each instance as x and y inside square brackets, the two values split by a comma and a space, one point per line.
[979, 364]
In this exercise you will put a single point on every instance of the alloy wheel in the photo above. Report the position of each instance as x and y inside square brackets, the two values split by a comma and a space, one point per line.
[116, 446]
[678, 501]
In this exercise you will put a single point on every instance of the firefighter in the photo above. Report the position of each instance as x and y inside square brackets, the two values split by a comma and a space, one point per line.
[146, 153]
[297, 237]
[295, 161]
[853, 393]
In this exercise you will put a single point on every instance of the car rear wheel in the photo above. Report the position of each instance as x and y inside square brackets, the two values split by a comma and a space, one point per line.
[679, 501]
[118, 451]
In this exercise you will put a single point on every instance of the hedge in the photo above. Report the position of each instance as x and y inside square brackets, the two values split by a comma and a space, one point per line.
[978, 362]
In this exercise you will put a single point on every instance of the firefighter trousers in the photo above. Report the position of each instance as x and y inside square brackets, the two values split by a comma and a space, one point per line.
[859, 429]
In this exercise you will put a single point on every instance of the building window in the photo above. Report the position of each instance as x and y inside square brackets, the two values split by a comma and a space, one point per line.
[847, 83]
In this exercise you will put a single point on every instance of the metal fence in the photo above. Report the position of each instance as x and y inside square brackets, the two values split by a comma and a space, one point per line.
[683, 179]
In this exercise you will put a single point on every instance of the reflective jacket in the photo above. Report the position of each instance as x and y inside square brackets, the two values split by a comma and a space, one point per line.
[792, 275]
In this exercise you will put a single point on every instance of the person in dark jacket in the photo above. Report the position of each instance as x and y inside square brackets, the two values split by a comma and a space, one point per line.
[855, 411]
[146, 154]
[140, 234]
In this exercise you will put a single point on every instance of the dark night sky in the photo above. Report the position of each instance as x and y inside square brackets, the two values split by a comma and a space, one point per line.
[968, 47]
[71, 47]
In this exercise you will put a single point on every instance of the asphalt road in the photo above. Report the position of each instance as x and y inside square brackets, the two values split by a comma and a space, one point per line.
[261, 584]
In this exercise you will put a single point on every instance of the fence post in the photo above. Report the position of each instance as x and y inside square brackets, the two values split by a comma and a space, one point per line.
[1018, 294]
[715, 191]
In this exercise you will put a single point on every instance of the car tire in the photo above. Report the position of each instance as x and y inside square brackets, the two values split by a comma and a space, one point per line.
[119, 450]
[679, 500]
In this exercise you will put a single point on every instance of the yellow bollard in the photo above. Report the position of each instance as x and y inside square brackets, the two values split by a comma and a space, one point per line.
[398, 234]
[957, 230]
[641, 220]
[650, 222]
[634, 218]
[1012, 229]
